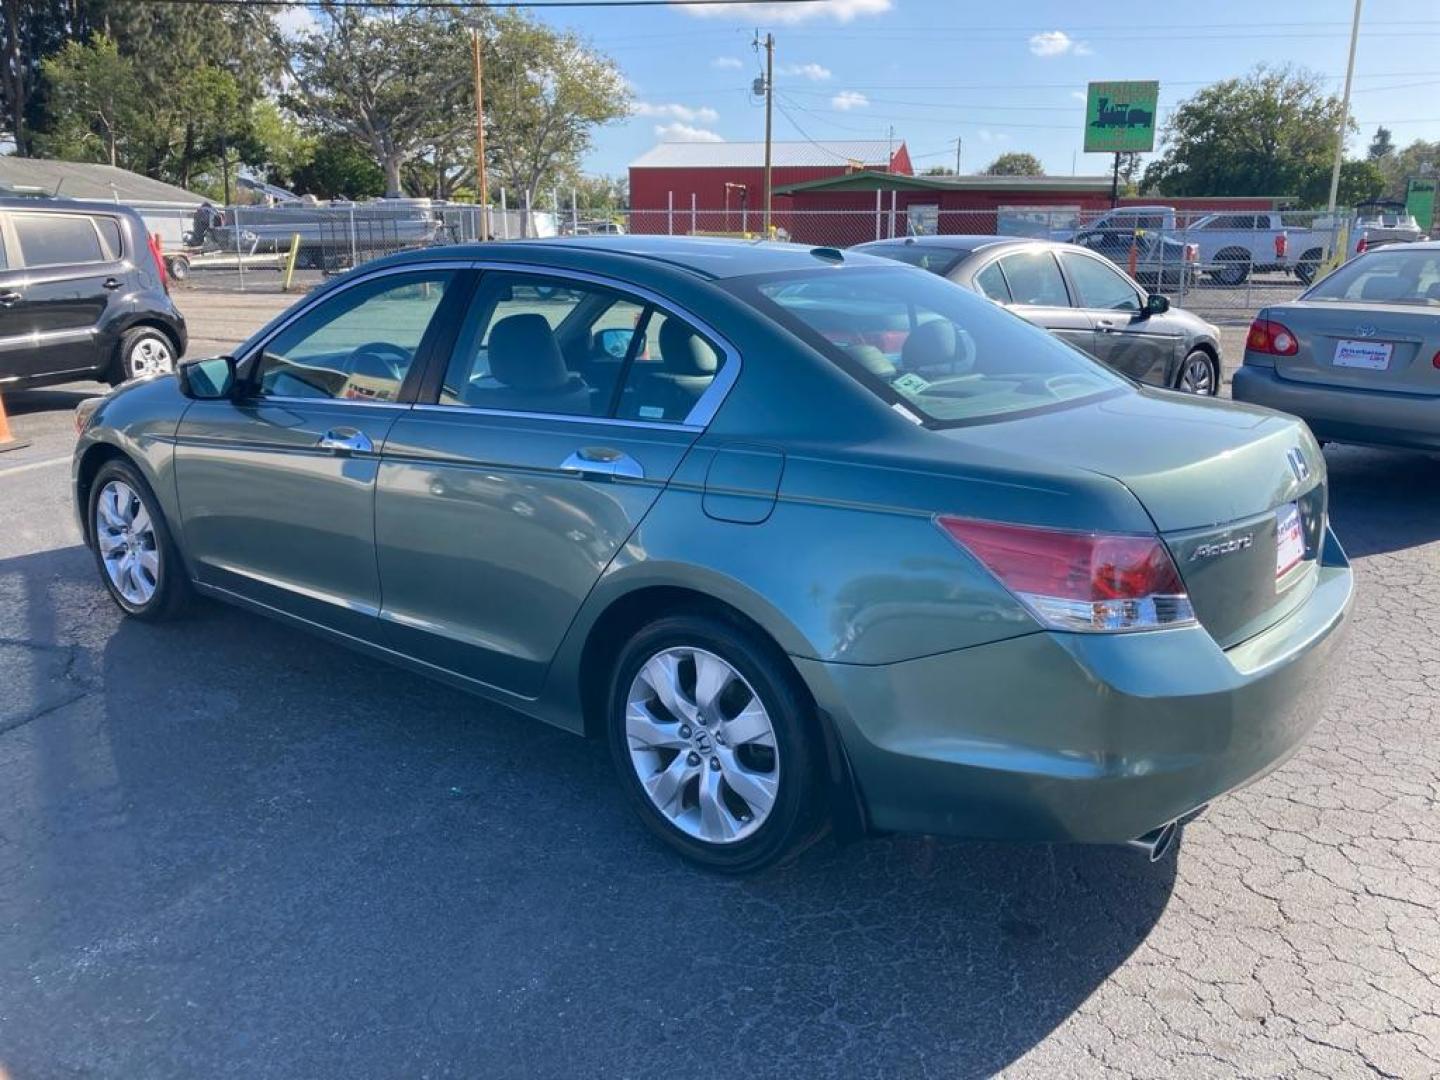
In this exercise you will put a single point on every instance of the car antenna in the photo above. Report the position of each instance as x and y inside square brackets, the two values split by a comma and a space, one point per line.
[828, 254]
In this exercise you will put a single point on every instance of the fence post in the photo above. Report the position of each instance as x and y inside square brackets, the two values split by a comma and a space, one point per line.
[528, 220]
[239, 254]
[692, 213]
[574, 212]
[670, 213]
[892, 214]
[504, 217]
[354, 249]
[879, 213]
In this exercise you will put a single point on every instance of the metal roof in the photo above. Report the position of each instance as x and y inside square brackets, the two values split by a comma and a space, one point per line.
[721, 155]
[871, 181]
[87, 180]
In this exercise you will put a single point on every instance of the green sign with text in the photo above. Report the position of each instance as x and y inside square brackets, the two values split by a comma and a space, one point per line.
[1420, 202]
[1120, 117]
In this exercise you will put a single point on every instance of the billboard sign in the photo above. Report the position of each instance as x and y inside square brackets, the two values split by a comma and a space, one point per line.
[1120, 117]
[1420, 202]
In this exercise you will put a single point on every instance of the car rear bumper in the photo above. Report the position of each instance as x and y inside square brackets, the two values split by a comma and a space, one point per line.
[1075, 737]
[1374, 417]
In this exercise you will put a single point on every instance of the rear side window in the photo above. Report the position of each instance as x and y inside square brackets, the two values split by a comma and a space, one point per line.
[1035, 279]
[57, 239]
[991, 283]
[110, 230]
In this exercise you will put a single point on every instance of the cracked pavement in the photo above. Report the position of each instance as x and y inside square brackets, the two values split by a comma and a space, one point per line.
[229, 849]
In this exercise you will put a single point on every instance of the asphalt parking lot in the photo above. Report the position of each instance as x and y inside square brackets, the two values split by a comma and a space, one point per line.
[230, 849]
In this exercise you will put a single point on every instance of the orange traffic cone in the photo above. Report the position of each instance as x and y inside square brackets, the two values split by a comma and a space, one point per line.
[7, 440]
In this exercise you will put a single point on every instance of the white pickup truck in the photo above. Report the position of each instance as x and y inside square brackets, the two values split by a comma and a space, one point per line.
[1232, 245]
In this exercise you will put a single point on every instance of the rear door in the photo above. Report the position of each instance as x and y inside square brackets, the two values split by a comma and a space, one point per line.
[540, 442]
[1126, 338]
[1038, 293]
[57, 302]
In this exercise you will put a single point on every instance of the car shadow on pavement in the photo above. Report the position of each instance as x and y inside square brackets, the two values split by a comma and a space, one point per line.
[1382, 500]
[237, 848]
[21, 402]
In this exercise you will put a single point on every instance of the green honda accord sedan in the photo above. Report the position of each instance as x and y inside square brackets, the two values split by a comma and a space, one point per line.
[812, 539]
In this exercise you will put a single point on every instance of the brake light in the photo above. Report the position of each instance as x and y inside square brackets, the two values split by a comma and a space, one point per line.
[1362, 245]
[1080, 581]
[1272, 338]
[154, 242]
[1435, 360]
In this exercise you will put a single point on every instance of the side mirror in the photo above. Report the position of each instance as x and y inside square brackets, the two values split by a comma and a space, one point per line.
[1155, 304]
[615, 342]
[212, 379]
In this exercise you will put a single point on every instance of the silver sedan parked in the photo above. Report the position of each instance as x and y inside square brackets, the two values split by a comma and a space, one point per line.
[1357, 356]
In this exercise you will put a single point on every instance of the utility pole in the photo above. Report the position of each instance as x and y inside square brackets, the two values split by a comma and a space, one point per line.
[769, 105]
[957, 155]
[482, 180]
[1344, 114]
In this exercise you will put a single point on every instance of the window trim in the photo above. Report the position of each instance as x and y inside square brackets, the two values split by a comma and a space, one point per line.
[251, 353]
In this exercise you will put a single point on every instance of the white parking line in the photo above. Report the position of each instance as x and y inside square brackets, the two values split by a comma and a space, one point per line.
[29, 465]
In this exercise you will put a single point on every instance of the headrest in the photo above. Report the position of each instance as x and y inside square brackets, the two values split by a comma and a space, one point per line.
[685, 352]
[525, 355]
[929, 344]
[1382, 287]
[872, 360]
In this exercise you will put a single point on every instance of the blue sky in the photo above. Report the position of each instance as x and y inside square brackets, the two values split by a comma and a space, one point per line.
[999, 77]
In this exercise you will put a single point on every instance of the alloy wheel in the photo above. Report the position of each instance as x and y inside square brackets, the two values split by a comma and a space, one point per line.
[151, 356]
[702, 744]
[126, 538]
[1198, 376]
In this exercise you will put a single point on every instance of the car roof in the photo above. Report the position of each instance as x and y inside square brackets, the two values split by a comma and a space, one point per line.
[708, 257]
[955, 241]
[45, 202]
[1408, 245]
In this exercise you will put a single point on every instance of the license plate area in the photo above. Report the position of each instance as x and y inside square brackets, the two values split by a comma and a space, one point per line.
[1289, 539]
[1370, 355]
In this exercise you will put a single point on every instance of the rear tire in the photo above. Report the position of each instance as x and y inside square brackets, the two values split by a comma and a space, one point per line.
[1235, 268]
[713, 740]
[134, 551]
[143, 353]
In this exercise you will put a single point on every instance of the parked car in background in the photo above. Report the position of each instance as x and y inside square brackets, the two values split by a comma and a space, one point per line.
[1126, 221]
[1357, 356]
[1161, 261]
[807, 537]
[1231, 246]
[83, 295]
[1081, 298]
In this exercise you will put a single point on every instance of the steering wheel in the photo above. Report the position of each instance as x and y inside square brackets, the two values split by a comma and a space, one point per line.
[380, 352]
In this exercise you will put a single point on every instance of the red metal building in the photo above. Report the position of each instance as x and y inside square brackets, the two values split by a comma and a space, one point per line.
[724, 182]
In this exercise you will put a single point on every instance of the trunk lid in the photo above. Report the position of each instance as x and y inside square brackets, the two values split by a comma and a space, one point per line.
[1345, 344]
[1218, 479]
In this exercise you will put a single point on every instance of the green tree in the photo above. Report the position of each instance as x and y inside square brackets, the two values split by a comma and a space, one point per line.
[1015, 163]
[1268, 133]
[97, 100]
[938, 170]
[338, 169]
[1381, 146]
[1360, 181]
[1420, 158]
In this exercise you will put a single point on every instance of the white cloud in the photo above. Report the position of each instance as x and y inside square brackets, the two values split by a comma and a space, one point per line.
[849, 99]
[678, 132]
[727, 63]
[1057, 43]
[704, 113]
[294, 21]
[988, 136]
[839, 10]
[812, 71]
[1079, 95]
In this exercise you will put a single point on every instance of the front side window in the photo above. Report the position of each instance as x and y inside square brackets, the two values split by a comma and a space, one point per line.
[1035, 279]
[1384, 277]
[1100, 285]
[947, 354]
[561, 347]
[57, 239]
[357, 345]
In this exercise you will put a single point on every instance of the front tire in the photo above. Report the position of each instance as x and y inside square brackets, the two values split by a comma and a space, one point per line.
[712, 737]
[144, 353]
[133, 548]
[1199, 374]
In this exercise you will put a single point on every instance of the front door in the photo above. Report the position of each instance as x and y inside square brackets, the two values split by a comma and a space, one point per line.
[1126, 337]
[277, 487]
[560, 416]
[1037, 292]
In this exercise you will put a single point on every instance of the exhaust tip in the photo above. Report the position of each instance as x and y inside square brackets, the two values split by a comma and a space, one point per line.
[1156, 843]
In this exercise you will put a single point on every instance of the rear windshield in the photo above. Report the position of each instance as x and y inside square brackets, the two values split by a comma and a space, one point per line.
[938, 260]
[946, 354]
[1386, 276]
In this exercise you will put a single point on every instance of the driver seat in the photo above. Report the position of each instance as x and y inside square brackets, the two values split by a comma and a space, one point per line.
[934, 347]
[528, 372]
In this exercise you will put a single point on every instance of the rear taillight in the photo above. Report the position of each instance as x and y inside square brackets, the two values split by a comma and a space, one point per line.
[1272, 338]
[1080, 581]
[159, 258]
[1362, 246]
[1435, 360]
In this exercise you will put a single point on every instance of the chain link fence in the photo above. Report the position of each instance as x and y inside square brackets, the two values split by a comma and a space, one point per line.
[1224, 265]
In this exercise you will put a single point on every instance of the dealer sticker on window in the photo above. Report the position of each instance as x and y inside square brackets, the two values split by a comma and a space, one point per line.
[1289, 539]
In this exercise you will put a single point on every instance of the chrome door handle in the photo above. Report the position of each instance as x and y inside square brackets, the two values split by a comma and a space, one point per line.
[603, 461]
[112, 283]
[346, 441]
[10, 297]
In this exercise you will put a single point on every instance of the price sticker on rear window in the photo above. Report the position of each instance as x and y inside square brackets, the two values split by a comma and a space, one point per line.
[1289, 539]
